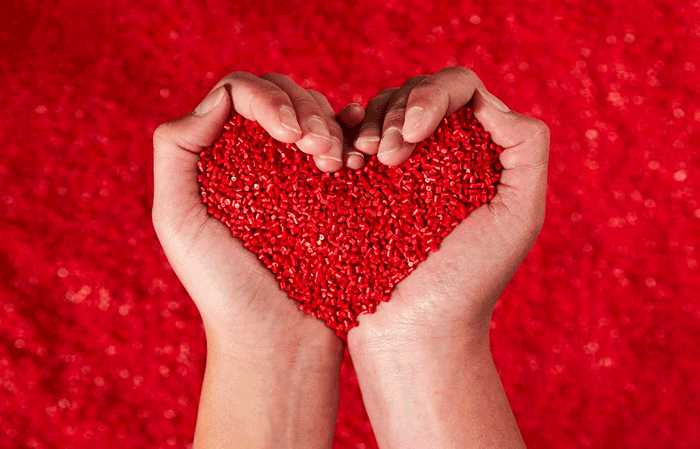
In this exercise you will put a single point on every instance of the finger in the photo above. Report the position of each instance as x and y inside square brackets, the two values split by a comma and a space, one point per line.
[350, 119]
[393, 149]
[436, 97]
[176, 147]
[333, 159]
[351, 116]
[523, 184]
[369, 135]
[263, 101]
[316, 138]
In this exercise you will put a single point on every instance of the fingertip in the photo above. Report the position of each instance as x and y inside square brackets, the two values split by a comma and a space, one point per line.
[414, 135]
[284, 135]
[328, 163]
[355, 160]
[391, 158]
[314, 144]
[367, 144]
[393, 149]
[351, 115]
[287, 128]
[333, 159]
[210, 102]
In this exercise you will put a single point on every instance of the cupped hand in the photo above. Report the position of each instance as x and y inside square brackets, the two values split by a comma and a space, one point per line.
[453, 292]
[239, 300]
[272, 371]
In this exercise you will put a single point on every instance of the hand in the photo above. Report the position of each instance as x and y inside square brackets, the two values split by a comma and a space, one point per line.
[258, 340]
[434, 330]
[455, 289]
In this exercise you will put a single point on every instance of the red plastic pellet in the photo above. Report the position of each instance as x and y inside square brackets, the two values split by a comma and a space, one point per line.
[339, 242]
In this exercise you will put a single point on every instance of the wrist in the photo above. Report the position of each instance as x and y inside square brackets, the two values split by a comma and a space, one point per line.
[275, 394]
[432, 340]
[434, 392]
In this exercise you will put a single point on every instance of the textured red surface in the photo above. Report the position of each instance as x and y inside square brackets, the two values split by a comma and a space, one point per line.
[339, 242]
[596, 338]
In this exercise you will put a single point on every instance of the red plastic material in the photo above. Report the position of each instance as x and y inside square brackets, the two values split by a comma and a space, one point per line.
[339, 242]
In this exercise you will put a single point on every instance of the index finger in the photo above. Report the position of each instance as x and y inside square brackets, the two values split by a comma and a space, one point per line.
[263, 101]
[436, 97]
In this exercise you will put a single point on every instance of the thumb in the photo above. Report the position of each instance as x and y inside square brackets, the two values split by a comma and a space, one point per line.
[199, 128]
[523, 185]
[176, 147]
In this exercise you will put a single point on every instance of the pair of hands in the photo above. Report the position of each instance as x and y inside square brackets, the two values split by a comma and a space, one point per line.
[272, 370]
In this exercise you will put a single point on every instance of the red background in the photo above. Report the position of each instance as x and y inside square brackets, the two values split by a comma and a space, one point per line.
[596, 338]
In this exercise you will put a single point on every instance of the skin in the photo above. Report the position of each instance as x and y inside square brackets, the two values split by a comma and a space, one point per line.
[271, 376]
[423, 359]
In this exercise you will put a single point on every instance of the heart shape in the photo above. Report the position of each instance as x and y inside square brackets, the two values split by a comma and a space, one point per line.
[339, 242]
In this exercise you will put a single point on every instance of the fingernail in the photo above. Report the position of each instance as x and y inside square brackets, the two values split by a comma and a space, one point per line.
[355, 159]
[210, 101]
[289, 119]
[333, 154]
[367, 139]
[392, 140]
[318, 128]
[414, 118]
[498, 104]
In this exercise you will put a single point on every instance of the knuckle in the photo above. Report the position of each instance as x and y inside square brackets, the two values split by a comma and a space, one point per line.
[541, 130]
[270, 94]
[388, 91]
[428, 89]
[428, 81]
[163, 133]
[398, 103]
[467, 74]
[319, 100]
[381, 98]
[307, 106]
[454, 69]
[274, 76]
[335, 129]
[394, 116]
[536, 224]
[235, 76]
[539, 133]
[314, 93]
[160, 223]
[414, 80]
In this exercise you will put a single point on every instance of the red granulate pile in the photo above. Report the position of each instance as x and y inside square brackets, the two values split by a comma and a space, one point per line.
[339, 242]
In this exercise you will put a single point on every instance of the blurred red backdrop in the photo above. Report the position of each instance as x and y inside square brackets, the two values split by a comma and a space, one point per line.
[596, 338]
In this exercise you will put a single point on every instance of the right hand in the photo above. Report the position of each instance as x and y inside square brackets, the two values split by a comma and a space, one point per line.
[272, 370]
[238, 298]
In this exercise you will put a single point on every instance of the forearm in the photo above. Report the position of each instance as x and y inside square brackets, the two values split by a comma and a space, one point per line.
[440, 395]
[269, 398]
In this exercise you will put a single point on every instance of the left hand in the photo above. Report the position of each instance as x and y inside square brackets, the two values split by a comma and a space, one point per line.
[423, 359]
[455, 289]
